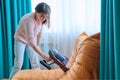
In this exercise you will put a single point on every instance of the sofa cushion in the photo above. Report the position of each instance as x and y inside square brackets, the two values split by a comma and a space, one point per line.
[38, 74]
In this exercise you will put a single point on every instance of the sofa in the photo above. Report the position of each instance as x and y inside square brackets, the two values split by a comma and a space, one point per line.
[83, 63]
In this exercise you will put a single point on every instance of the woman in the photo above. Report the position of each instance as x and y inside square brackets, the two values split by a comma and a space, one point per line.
[28, 36]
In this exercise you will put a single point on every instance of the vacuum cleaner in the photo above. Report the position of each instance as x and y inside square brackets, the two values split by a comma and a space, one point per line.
[57, 58]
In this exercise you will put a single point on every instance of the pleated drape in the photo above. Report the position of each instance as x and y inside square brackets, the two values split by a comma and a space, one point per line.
[10, 13]
[110, 40]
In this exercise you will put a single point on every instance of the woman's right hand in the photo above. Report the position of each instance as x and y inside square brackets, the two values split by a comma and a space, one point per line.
[47, 59]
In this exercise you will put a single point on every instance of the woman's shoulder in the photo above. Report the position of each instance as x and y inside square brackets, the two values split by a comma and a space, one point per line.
[28, 17]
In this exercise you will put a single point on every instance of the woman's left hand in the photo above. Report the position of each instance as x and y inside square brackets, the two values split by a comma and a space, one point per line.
[47, 59]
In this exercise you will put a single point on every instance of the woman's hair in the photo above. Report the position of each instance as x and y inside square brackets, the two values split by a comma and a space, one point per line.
[44, 8]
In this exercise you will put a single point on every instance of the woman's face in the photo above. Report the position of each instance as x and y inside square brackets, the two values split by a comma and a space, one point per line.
[41, 17]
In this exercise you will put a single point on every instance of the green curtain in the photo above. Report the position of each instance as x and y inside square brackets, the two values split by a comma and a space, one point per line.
[110, 40]
[10, 13]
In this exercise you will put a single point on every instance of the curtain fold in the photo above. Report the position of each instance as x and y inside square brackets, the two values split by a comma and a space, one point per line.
[10, 13]
[110, 40]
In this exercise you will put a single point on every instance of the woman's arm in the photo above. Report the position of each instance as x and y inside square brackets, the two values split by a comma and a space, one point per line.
[36, 48]
[31, 39]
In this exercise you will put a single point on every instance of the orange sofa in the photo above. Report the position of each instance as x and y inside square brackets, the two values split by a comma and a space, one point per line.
[83, 63]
